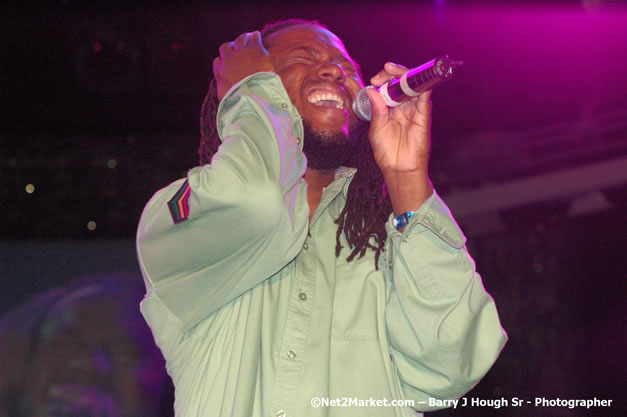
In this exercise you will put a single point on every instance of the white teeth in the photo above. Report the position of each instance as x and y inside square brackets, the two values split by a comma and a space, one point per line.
[317, 97]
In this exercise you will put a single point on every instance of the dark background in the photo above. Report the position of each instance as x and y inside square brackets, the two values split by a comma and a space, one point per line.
[99, 108]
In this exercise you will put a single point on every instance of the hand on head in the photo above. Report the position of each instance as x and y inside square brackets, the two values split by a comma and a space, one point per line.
[239, 59]
[319, 76]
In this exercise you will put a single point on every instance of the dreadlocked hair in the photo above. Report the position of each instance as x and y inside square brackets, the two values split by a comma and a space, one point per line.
[362, 221]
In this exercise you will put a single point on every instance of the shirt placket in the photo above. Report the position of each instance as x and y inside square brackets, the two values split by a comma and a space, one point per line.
[292, 355]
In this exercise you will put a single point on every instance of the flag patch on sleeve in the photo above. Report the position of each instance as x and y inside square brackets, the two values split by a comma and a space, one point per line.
[179, 205]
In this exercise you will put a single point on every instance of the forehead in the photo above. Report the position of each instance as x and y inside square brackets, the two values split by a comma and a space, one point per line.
[292, 37]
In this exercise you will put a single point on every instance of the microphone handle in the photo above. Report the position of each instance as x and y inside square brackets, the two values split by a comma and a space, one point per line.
[409, 85]
[420, 79]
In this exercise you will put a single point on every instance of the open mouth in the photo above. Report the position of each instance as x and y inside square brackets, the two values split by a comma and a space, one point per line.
[327, 99]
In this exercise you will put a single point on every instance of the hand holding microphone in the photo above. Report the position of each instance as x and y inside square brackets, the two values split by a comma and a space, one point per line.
[400, 136]
[409, 85]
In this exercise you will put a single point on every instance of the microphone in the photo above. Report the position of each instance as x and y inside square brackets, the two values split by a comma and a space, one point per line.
[411, 84]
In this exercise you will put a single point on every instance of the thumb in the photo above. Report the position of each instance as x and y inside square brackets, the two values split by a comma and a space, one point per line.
[378, 106]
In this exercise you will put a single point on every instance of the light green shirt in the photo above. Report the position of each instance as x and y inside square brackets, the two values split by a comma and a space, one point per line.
[256, 316]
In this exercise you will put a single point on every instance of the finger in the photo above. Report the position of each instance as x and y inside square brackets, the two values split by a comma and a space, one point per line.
[256, 40]
[418, 109]
[378, 106]
[426, 96]
[226, 49]
[390, 71]
[424, 103]
[217, 62]
[380, 78]
[241, 41]
[395, 70]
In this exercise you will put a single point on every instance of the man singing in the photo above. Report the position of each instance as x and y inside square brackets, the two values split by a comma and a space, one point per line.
[305, 261]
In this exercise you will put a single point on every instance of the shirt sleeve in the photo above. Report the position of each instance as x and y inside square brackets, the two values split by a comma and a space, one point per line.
[208, 238]
[443, 327]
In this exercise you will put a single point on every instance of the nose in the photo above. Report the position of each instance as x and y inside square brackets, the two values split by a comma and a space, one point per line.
[332, 72]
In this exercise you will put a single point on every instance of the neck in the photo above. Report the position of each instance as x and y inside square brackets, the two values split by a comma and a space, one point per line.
[319, 178]
[316, 180]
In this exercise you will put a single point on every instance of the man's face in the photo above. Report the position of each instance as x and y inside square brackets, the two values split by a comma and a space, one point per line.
[318, 74]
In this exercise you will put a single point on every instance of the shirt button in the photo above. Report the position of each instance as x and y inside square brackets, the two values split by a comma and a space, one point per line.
[302, 296]
[281, 413]
[284, 105]
[305, 246]
[291, 354]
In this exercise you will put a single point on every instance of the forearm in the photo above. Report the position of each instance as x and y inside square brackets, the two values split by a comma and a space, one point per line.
[443, 327]
[247, 210]
[407, 191]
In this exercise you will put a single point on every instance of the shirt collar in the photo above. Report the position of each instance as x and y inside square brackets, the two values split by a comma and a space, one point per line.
[345, 176]
[343, 172]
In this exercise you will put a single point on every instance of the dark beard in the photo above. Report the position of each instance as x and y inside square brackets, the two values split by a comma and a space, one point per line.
[327, 150]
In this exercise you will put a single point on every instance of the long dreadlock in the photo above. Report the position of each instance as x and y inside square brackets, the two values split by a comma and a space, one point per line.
[367, 204]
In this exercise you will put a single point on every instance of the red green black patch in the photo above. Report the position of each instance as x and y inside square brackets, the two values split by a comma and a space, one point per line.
[179, 206]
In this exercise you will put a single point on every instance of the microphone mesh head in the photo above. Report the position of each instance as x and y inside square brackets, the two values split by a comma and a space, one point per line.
[361, 105]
